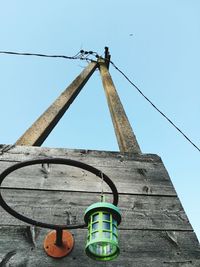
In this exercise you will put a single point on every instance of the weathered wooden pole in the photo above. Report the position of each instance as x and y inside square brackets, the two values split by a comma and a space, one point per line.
[42, 127]
[126, 139]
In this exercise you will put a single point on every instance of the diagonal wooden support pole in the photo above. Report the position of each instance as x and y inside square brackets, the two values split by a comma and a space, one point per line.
[126, 139]
[42, 127]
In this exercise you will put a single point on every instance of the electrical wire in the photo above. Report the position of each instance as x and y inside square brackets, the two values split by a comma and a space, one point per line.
[85, 55]
[155, 107]
[80, 55]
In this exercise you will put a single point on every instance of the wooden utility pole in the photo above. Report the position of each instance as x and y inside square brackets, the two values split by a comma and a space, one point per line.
[42, 127]
[155, 230]
[126, 139]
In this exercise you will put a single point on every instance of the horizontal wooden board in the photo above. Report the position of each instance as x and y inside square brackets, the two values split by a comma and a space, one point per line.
[22, 246]
[130, 174]
[154, 232]
[138, 212]
[28, 152]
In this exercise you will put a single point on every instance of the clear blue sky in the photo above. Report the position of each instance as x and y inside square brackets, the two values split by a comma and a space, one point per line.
[156, 43]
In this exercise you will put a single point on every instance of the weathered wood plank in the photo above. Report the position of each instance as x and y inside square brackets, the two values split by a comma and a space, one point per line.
[138, 212]
[129, 174]
[149, 180]
[154, 231]
[28, 152]
[138, 249]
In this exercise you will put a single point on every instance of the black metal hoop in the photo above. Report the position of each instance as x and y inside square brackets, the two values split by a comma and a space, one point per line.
[53, 161]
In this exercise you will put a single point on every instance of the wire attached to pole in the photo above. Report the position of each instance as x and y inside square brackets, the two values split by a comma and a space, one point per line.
[155, 107]
[85, 55]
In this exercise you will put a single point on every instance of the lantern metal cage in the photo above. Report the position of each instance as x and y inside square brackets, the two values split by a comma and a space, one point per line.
[102, 241]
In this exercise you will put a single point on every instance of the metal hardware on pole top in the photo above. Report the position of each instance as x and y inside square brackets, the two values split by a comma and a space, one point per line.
[107, 57]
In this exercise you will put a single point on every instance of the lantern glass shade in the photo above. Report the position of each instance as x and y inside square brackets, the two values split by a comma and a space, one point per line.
[102, 240]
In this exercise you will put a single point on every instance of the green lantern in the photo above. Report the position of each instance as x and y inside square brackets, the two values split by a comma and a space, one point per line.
[102, 219]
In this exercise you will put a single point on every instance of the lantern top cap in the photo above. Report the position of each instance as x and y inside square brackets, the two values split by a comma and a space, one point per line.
[103, 206]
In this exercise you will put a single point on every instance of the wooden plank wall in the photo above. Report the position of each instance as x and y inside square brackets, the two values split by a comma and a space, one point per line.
[154, 231]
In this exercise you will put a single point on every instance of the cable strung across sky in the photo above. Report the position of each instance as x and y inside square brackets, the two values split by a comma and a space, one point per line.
[85, 55]
[39, 55]
[155, 107]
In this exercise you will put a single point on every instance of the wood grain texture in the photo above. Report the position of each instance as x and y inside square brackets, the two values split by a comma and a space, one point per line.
[24, 152]
[154, 232]
[131, 174]
[138, 212]
[138, 249]
[126, 139]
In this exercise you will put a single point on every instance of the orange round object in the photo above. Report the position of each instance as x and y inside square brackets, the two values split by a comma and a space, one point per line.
[58, 251]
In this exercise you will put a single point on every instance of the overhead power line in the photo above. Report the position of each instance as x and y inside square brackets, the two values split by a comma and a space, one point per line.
[155, 107]
[82, 55]
[38, 55]
[85, 55]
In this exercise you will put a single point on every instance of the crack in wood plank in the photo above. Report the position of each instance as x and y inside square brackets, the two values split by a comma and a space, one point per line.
[32, 233]
[6, 148]
[45, 169]
[142, 171]
[171, 236]
[7, 258]
[147, 189]
[169, 262]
